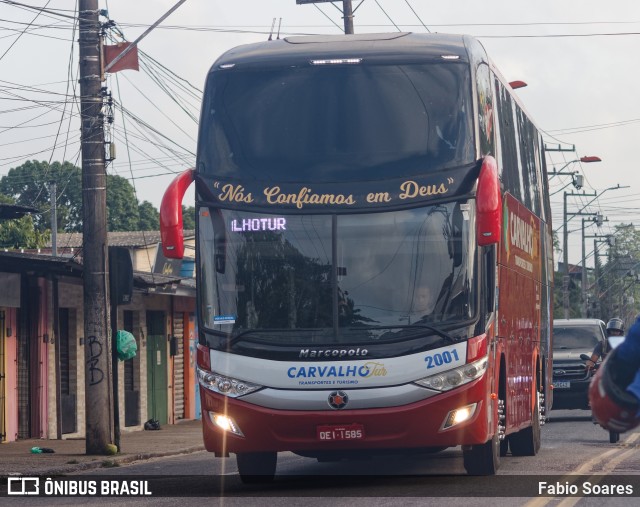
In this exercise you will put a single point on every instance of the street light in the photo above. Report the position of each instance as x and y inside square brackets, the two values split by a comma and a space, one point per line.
[585, 160]
[578, 179]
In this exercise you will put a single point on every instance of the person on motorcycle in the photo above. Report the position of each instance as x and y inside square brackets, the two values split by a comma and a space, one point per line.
[615, 327]
[614, 393]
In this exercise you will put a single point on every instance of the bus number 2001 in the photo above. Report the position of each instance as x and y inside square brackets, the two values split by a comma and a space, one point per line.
[439, 359]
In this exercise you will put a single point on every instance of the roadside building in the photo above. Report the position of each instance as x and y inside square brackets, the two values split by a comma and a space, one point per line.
[42, 343]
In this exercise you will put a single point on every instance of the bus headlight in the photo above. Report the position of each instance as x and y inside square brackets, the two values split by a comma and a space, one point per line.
[226, 386]
[459, 415]
[450, 379]
[225, 423]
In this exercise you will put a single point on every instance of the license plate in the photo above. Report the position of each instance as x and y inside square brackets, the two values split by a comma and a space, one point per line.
[562, 385]
[335, 433]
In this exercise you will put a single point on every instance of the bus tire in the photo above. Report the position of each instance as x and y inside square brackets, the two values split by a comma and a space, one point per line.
[483, 459]
[256, 467]
[504, 447]
[614, 437]
[526, 442]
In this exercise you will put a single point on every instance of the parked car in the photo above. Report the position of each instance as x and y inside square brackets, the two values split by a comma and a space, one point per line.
[572, 337]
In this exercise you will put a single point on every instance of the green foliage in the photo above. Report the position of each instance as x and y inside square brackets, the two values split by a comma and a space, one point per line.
[21, 233]
[613, 286]
[188, 218]
[149, 217]
[122, 205]
[28, 185]
[618, 281]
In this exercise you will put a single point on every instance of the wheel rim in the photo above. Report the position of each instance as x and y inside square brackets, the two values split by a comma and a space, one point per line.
[502, 417]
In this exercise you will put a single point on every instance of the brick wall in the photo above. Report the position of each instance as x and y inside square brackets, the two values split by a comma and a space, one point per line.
[70, 292]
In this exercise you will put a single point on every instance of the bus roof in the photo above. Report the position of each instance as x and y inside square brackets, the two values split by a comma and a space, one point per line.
[378, 47]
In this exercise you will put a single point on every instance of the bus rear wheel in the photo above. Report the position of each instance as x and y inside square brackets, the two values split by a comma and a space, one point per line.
[526, 442]
[256, 467]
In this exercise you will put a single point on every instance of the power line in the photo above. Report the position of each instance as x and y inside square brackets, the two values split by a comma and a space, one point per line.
[22, 33]
[42, 10]
[600, 126]
[327, 16]
[388, 17]
[412, 10]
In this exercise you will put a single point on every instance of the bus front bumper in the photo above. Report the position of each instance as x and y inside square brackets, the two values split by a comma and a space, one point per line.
[417, 425]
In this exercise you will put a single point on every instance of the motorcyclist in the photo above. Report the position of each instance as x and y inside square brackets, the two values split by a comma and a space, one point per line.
[614, 393]
[615, 327]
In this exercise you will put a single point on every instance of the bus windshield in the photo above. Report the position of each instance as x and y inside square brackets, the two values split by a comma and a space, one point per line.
[336, 123]
[301, 279]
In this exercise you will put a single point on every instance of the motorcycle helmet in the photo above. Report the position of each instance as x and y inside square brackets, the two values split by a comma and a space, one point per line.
[615, 325]
[611, 405]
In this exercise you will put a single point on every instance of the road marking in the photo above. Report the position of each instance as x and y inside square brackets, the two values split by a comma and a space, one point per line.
[586, 467]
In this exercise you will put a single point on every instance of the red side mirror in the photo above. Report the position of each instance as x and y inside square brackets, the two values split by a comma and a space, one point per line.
[489, 204]
[171, 215]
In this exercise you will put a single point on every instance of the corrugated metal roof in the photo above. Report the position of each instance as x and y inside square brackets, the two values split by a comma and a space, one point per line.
[12, 211]
[17, 262]
[44, 264]
[128, 239]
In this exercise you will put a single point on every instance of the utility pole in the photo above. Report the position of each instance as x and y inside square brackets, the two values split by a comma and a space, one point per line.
[347, 13]
[565, 253]
[565, 282]
[94, 230]
[53, 197]
[597, 238]
[598, 219]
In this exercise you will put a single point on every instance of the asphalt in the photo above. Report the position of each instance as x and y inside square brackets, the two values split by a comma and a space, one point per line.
[70, 455]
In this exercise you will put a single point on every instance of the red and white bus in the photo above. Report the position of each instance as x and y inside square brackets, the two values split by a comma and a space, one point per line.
[374, 254]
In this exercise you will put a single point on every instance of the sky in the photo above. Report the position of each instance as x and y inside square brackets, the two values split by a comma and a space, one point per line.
[579, 59]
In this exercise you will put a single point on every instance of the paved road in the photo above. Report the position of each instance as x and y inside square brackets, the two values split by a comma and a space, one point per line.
[571, 445]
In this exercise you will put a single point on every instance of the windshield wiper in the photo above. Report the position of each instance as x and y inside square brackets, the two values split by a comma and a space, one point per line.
[232, 340]
[437, 331]
[235, 338]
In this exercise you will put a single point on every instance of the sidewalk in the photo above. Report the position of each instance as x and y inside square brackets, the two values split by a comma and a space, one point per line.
[69, 456]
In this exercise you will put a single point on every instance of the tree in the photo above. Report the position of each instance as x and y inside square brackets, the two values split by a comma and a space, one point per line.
[122, 205]
[618, 282]
[28, 185]
[149, 217]
[188, 218]
[20, 232]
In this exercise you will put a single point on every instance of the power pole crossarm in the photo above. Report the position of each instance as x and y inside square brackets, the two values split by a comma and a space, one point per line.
[143, 35]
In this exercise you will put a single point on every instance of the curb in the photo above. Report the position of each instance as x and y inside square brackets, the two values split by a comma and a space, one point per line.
[115, 460]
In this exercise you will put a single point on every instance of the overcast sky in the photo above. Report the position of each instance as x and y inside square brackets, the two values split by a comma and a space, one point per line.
[579, 58]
